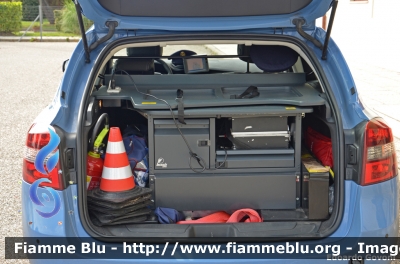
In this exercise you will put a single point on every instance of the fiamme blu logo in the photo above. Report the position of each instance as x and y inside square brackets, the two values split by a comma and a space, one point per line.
[46, 160]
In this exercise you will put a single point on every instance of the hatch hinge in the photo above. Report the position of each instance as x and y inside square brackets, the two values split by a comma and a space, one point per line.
[328, 32]
[111, 28]
[299, 22]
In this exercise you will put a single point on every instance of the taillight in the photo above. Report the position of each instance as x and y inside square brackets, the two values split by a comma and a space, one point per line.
[380, 162]
[38, 138]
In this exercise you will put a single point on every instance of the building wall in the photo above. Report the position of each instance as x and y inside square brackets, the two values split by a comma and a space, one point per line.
[367, 30]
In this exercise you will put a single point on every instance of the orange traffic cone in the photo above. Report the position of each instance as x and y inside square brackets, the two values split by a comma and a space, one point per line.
[118, 200]
[117, 174]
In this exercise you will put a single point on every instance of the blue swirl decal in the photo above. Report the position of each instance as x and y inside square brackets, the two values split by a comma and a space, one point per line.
[51, 163]
[54, 196]
[45, 151]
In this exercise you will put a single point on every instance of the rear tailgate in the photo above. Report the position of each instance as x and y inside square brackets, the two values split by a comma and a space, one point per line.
[197, 15]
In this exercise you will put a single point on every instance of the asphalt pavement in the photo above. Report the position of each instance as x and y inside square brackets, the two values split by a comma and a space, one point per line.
[31, 73]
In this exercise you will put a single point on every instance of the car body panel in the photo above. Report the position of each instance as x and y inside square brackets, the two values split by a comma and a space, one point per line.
[367, 210]
[95, 12]
[53, 226]
[370, 211]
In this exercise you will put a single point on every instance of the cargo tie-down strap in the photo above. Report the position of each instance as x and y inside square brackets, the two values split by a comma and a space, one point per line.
[250, 92]
[179, 99]
[243, 215]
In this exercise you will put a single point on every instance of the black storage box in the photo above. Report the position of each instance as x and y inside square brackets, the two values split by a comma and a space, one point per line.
[192, 192]
[256, 158]
[170, 150]
[315, 193]
[260, 132]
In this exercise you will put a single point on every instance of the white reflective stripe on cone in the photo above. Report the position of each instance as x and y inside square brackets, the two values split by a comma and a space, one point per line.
[115, 147]
[117, 173]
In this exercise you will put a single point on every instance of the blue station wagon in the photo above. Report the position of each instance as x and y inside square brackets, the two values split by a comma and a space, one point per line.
[207, 122]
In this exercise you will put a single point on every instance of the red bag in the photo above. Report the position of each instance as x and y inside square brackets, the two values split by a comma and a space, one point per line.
[243, 215]
[320, 146]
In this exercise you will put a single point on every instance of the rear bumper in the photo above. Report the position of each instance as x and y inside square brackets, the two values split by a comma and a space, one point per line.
[370, 211]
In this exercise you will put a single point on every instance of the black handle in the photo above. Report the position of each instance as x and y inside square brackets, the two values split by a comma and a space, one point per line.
[179, 93]
[250, 92]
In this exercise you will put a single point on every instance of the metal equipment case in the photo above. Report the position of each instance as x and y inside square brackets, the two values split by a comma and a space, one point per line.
[260, 132]
[258, 178]
[170, 150]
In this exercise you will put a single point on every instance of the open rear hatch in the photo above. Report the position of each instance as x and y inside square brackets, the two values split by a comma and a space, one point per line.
[282, 16]
[195, 15]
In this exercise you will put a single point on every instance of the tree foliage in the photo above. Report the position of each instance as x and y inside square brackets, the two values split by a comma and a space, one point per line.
[67, 19]
[30, 9]
[10, 16]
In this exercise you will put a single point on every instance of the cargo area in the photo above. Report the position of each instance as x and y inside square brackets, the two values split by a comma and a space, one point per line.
[211, 142]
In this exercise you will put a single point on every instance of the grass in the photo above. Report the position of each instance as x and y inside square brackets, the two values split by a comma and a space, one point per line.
[49, 30]
[46, 34]
[36, 26]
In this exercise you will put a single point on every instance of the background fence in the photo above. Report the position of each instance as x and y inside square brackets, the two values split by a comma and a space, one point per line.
[41, 18]
[37, 18]
[30, 13]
